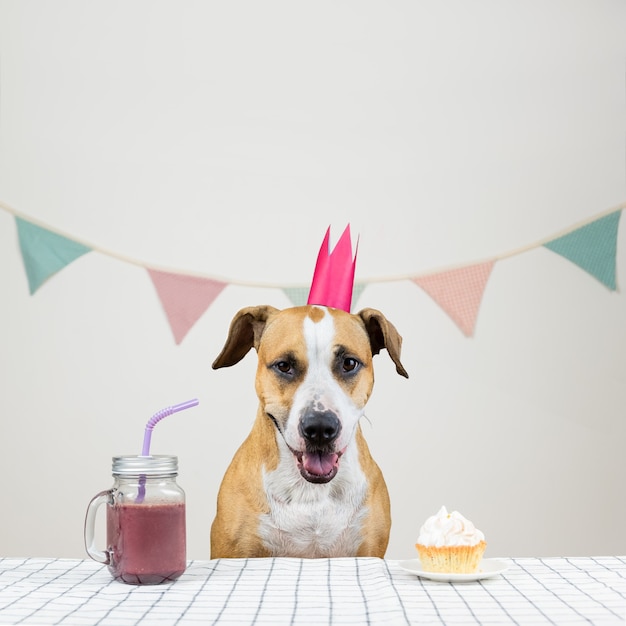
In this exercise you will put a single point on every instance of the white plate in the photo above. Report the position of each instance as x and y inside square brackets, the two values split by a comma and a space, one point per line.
[487, 569]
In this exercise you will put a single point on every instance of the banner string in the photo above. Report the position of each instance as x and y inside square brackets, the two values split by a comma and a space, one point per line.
[123, 257]
[516, 251]
[272, 285]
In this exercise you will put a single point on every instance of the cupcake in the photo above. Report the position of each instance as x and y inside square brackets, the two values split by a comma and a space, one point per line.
[449, 543]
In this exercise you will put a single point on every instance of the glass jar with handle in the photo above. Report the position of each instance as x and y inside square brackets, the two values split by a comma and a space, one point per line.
[145, 521]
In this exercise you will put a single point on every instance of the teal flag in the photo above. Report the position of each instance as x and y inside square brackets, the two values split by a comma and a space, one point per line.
[300, 295]
[592, 247]
[297, 295]
[44, 253]
[356, 293]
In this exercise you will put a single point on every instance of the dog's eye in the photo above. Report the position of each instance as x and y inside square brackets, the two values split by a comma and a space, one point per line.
[283, 366]
[286, 367]
[350, 364]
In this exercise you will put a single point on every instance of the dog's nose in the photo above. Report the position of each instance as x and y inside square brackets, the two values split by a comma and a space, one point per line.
[320, 427]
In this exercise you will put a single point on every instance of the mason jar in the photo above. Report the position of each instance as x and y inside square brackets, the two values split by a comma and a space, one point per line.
[145, 521]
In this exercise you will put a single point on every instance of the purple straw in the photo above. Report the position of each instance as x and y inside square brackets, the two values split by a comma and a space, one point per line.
[152, 422]
[157, 417]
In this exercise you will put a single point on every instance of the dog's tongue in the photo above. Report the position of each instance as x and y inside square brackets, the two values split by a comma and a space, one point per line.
[319, 464]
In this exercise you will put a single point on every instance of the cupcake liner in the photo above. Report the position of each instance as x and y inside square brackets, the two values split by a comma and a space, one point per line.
[451, 559]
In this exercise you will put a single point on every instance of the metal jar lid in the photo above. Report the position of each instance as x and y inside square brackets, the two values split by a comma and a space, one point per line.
[156, 465]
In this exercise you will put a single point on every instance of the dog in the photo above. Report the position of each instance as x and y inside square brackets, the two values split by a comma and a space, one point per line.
[303, 483]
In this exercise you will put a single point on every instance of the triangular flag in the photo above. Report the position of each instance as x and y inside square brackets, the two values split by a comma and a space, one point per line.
[592, 247]
[356, 293]
[44, 253]
[184, 298]
[297, 295]
[459, 292]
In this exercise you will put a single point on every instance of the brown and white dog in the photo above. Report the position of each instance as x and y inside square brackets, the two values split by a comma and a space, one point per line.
[303, 483]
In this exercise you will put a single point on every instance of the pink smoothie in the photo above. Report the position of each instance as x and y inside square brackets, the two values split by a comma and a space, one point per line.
[146, 542]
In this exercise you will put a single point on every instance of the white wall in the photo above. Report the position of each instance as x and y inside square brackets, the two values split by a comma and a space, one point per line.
[223, 138]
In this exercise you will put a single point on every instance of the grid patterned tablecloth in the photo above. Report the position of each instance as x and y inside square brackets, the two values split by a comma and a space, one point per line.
[321, 591]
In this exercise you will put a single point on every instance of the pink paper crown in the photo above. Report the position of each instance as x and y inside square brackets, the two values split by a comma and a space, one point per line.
[333, 278]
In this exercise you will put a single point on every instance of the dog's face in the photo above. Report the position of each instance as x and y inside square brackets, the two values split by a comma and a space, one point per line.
[314, 375]
[313, 379]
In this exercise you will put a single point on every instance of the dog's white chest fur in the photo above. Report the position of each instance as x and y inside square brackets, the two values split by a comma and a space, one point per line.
[311, 520]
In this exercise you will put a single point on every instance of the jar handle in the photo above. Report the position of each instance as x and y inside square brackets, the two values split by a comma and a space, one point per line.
[90, 523]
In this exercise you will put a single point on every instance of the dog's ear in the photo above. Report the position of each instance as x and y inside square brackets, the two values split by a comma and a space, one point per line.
[244, 333]
[383, 334]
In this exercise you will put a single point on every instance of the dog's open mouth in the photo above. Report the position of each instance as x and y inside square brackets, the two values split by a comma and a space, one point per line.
[318, 467]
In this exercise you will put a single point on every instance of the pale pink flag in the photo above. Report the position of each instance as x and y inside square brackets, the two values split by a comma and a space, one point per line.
[459, 292]
[184, 298]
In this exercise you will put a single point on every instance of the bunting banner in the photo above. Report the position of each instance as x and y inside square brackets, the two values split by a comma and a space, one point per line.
[44, 253]
[184, 298]
[590, 246]
[459, 292]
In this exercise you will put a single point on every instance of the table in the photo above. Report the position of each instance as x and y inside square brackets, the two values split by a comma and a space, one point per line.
[321, 591]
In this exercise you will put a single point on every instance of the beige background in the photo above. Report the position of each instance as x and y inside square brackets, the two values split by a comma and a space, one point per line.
[224, 138]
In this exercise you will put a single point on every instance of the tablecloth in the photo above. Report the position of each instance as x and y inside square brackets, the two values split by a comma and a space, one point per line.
[319, 591]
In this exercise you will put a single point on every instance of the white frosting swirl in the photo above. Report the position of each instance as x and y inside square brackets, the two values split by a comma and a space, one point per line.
[449, 529]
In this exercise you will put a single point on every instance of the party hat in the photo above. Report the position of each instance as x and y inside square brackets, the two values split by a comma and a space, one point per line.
[333, 278]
